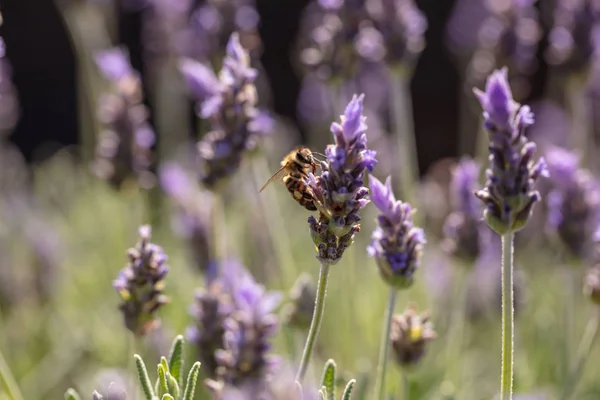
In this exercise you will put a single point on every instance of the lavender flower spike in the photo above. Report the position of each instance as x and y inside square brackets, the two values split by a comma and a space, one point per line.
[509, 194]
[229, 104]
[140, 284]
[339, 191]
[397, 244]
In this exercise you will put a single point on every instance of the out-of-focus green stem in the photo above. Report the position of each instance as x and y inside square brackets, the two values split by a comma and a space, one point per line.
[405, 385]
[583, 354]
[315, 324]
[8, 380]
[507, 316]
[384, 346]
[403, 128]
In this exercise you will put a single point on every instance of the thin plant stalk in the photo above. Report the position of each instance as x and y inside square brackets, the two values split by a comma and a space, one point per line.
[8, 380]
[578, 104]
[405, 385]
[403, 128]
[590, 336]
[218, 228]
[315, 324]
[384, 345]
[508, 319]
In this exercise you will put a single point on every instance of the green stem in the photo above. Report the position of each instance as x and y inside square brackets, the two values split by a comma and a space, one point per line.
[315, 324]
[508, 320]
[589, 338]
[405, 386]
[403, 128]
[7, 378]
[384, 345]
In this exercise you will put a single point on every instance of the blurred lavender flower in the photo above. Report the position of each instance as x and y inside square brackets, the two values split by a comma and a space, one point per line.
[402, 26]
[570, 46]
[339, 191]
[464, 234]
[397, 244]
[509, 36]
[114, 392]
[509, 194]
[299, 312]
[234, 324]
[591, 285]
[124, 149]
[229, 104]
[140, 284]
[573, 202]
[193, 211]
[409, 335]
[9, 105]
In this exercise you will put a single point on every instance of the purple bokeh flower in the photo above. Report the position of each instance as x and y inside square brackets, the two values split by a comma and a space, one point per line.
[124, 148]
[573, 202]
[409, 336]
[464, 233]
[140, 284]
[234, 326]
[339, 191]
[509, 193]
[397, 244]
[229, 104]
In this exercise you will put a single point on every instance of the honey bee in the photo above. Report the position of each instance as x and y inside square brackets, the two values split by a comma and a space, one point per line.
[295, 167]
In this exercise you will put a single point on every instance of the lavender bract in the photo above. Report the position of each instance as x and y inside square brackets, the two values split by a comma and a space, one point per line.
[509, 194]
[140, 284]
[463, 232]
[229, 105]
[573, 203]
[124, 149]
[397, 244]
[339, 191]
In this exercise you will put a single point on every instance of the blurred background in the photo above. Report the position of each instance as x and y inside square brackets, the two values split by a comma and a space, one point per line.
[106, 125]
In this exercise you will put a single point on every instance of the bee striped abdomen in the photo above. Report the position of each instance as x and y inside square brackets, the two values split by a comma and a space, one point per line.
[301, 192]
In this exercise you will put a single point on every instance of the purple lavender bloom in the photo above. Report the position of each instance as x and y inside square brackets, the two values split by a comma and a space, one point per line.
[403, 26]
[229, 104]
[193, 208]
[463, 231]
[9, 105]
[397, 244]
[339, 191]
[570, 45]
[140, 284]
[573, 202]
[234, 325]
[509, 193]
[124, 149]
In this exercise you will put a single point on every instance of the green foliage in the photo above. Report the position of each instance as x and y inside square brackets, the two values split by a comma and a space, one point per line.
[176, 359]
[71, 394]
[190, 386]
[348, 390]
[328, 380]
[144, 378]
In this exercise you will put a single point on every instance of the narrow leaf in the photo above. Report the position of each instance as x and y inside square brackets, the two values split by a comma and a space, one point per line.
[323, 394]
[165, 364]
[328, 380]
[71, 394]
[144, 378]
[161, 383]
[176, 359]
[192, 379]
[168, 397]
[97, 396]
[348, 390]
[173, 385]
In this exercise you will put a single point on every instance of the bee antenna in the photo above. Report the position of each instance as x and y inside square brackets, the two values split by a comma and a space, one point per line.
[319, 154]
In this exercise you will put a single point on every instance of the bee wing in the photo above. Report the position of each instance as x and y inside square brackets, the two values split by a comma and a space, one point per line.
[276, 175]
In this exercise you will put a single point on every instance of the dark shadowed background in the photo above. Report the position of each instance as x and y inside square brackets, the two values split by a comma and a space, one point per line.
[44, 69]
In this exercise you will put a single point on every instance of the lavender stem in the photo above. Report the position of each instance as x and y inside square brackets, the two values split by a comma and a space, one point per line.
[589, 338]
[315, 323]
[405, 387]
[507, 316]
[384, 345]
[7, 378]
[403, 127]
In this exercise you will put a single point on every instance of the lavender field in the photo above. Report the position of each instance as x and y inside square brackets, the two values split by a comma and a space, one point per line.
[155, 259]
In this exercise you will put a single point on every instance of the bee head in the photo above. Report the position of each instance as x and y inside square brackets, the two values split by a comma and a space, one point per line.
[304, 156]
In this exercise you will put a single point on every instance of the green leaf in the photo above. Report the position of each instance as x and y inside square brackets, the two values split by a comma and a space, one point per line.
[143, 377]
[165, 364]
[323, 394]
[162, 387]
[168, 397]
[328, 380]
[176, 359]
[173, 385]
[97, 396]
[71, 394]
[348, 390]
[190, 386]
